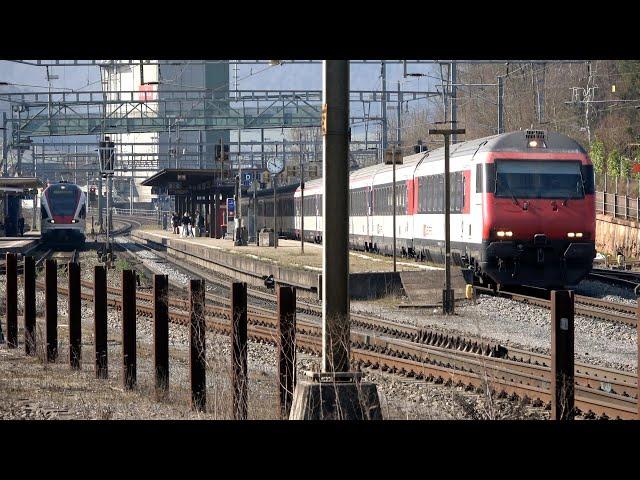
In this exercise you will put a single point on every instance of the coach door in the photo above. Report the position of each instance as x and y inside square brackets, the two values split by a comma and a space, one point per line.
[369, 212]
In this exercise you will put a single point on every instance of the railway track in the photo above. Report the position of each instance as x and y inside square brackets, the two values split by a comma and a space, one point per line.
[585, 306]
[405, 350]
[40, 257]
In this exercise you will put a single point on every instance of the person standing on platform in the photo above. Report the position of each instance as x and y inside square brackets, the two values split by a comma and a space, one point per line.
[21, 226]
[192, 225]
[200, 223]
[185, 225]
[174, 222]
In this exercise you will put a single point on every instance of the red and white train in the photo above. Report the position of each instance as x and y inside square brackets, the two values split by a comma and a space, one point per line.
[522, 209]
[63, 215]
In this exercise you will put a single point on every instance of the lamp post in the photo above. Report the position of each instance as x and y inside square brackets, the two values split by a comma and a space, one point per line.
[447, 294]
[393, 157]
[107, 159]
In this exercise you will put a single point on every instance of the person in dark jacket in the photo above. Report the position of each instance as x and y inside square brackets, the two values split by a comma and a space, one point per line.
[21, 226]
[200, 224]
[174, 222]
[186, 221]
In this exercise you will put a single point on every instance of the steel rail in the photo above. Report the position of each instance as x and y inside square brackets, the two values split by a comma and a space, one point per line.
[507, 377]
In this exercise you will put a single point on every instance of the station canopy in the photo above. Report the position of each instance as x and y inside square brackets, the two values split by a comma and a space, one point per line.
[182, 181]
[20, 185]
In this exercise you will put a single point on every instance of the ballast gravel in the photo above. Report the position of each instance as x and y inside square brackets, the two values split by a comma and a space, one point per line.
[523, 326]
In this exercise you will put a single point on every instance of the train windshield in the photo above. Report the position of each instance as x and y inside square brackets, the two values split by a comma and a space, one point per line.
[62, 200]
[539, 179]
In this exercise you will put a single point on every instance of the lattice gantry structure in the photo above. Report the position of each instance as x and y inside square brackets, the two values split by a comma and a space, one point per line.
[171, 114]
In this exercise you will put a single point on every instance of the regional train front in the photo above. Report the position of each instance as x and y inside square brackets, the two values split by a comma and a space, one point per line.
[539, 210]
[63, 215]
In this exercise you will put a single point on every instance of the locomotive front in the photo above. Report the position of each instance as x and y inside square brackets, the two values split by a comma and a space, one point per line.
[63, 214]
[538, 211]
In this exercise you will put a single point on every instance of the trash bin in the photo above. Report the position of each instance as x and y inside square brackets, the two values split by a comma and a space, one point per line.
[266, 237]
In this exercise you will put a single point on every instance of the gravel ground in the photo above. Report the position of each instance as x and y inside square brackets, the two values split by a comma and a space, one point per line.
[523, 326]
[402, 398]
[34, 389]
[606, 291]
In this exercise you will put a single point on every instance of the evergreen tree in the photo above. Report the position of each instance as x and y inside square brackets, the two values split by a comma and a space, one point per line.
[613, 163]
[598, 156]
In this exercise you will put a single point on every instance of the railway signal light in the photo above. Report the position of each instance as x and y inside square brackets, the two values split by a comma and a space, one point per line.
[393, 155]
[107, 156]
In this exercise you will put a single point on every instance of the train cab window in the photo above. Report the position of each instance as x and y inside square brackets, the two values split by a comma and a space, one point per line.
[588, 179]
[479, 178]
[558, 179]
[62, 199]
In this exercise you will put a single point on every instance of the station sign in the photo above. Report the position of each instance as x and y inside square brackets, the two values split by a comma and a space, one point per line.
[231, 208]
[248, 178]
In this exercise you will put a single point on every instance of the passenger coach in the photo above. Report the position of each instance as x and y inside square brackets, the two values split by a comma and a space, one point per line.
[522, 209]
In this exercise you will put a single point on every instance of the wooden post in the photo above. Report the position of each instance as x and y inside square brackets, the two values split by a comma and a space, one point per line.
[11, 269]
[161, 331]
[562, 355]
[51, 308]
[29, 306]
[197, 346]
[100, 321]
[239, 349]
[128, 329]
[75, 312]
[286, 348]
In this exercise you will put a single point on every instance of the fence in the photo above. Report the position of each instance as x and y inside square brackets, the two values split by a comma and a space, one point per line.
[618, 206]
[197, 323]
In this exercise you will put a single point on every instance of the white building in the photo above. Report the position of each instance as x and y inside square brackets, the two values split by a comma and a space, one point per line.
[151, 153]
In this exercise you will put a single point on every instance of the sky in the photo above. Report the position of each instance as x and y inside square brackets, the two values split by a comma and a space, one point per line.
[259, 77]
[363, 77]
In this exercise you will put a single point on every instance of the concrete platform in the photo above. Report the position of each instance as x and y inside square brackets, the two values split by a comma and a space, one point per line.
[19, 244]
[372, 275]
[427, 289]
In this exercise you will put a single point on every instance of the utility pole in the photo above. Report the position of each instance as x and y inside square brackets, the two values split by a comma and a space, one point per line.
[5, 147]
[335, 254]
[445, 89]
[383, 107]
[100, 229]
[109, 204]
[337, 393]
[275, 207]
[395, 268]
[399, 118]
[447, 294]
[200, 150]
[239, 204]
[262, 147]
[587, 103]
[396, 152]
[255, 214]
[500, 104]
[453, 75]
[301, 203]
[221, 158]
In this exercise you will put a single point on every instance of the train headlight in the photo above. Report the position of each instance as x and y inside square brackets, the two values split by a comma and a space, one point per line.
[500, 233]
[576, 234]
[509, 234]
[503, 233]
[74, 221]
[52, 221]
